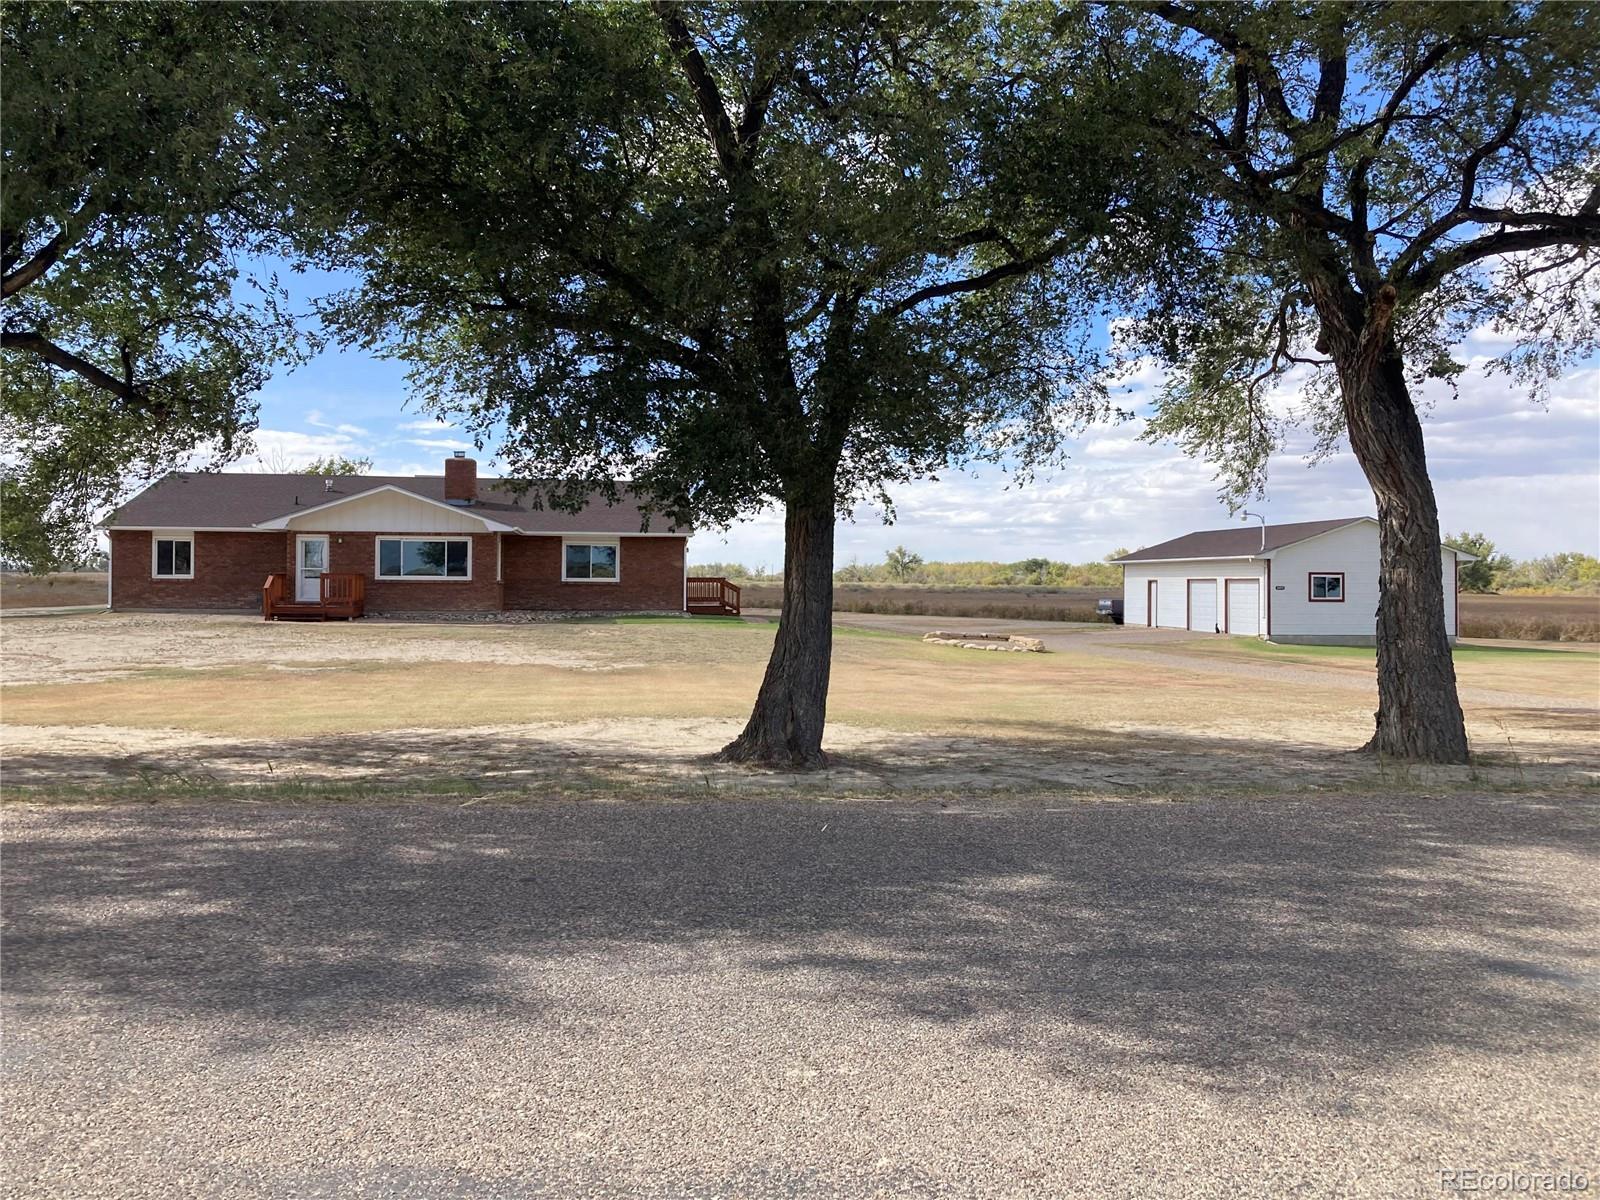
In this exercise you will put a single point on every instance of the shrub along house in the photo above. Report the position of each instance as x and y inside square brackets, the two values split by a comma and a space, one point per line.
[305, 546]
[1311, 582]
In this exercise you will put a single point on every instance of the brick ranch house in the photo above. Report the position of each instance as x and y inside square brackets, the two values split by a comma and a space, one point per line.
[345, 545]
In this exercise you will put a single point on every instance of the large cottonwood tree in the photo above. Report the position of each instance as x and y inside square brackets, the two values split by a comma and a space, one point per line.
[1379, 179]
[133, 177]
[741, 254]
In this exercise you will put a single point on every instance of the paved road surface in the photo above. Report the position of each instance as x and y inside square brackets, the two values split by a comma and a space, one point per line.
[1263, 997]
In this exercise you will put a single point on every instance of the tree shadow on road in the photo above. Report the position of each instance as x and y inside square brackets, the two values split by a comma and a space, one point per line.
[1248, 943]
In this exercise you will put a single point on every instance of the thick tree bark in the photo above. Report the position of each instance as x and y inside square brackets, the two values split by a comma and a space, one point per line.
[785, 728]
[1419, 712]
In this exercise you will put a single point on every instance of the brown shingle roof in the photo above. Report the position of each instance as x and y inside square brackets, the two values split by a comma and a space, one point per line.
[1239, 542]
[213, 500]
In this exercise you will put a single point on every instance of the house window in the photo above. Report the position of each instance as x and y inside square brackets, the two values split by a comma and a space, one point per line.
[1327, 585]
[594, 562]
[173, 557]
[424, 558]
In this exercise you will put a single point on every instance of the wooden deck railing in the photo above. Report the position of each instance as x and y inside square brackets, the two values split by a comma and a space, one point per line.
[710, 593]
[346, 594]
[338, 595]
[272, 595]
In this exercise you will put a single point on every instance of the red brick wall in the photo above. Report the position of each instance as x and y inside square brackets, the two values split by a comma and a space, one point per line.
[357, 553]
[651, 571]
[229, 569]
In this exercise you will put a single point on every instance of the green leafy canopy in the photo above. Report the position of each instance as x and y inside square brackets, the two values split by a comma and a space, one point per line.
[133, 176]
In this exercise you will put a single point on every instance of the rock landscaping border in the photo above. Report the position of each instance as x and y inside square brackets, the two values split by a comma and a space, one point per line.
[986, 641]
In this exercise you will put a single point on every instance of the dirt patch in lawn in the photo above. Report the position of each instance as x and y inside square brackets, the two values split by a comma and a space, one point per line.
[110, 645]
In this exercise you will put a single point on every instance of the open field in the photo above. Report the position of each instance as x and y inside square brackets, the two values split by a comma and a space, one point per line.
[1532, 618]
[66, 589]
[110, 699]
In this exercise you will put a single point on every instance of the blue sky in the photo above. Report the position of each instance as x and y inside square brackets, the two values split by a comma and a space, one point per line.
[1525, 474]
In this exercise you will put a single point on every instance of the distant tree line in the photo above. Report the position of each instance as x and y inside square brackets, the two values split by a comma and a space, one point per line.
[903, 566]
[1568, 571]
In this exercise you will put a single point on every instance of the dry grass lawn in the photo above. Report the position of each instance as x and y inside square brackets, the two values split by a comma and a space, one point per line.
[108, 696]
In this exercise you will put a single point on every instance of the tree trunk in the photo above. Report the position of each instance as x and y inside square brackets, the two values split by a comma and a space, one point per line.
[785, 728]
[1419, 713]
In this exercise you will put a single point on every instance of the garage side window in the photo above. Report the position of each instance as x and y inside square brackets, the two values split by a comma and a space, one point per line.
[1327, 585]
[173, 557]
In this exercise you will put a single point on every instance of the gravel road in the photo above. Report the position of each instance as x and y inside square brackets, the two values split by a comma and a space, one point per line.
[1262, 997]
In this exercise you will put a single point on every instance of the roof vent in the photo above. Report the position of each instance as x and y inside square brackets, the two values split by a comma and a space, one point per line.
[327, 485]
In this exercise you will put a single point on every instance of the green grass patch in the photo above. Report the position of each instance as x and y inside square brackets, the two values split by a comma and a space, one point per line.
[1467, 653]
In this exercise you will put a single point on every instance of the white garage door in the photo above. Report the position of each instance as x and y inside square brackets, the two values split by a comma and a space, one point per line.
[1203, 605]
[1169, 604]
[1244, 607]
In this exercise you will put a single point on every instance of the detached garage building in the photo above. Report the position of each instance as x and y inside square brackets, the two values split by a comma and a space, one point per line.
[1312, 582]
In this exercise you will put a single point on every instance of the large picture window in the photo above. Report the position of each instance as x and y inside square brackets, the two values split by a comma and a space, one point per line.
[1327, 585]
[590, 561]
[424, 558]
[173, 557]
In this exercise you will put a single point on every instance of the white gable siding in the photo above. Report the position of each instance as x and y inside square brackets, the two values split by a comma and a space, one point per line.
[1352, 550]
[1172, 588]
[389, 512]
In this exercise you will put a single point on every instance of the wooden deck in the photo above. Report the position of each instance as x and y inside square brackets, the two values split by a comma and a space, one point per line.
[712, 596]
[343, 598]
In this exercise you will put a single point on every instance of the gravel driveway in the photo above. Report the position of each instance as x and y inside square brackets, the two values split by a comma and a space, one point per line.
[1262, 997]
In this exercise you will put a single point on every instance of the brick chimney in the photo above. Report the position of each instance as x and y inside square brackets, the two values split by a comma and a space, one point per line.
[460, 479]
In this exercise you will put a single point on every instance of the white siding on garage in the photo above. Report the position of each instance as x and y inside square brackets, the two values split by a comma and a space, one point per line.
[386, 512]
[1173, 582]
[1203, 614]
[1351, 551]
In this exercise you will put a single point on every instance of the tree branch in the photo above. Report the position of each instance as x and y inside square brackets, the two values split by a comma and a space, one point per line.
[976, 283]
[35, 266]
[713, 109]
[45, 350]
[1581, 230]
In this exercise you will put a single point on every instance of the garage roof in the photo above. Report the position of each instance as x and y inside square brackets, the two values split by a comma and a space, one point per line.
[1246, 542]
[1242, 541]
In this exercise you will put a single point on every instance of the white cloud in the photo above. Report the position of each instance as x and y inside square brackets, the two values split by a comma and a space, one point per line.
[289, 450]
[432, 425]
[1526, 474]
[439, 443]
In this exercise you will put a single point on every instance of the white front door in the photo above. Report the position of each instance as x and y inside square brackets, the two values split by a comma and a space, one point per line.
[310, 561]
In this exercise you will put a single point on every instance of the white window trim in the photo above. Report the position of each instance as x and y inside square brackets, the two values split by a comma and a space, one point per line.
[170, 535]
[377, 557]
[614, 542]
